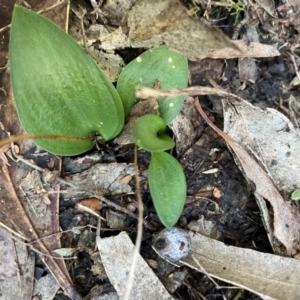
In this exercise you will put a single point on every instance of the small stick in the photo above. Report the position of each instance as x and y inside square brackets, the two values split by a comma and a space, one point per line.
[140, 228]
[67, 16]
[144, 92]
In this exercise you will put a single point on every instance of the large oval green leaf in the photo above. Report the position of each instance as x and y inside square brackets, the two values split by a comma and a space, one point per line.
[162, 64]
[167, 187]
[147, 134]
[58, 88]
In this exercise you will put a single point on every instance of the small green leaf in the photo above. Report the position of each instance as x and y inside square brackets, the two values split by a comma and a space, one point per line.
[162, 64]
[167, 187]
[296, 195]
[58, 88]
[146, 133]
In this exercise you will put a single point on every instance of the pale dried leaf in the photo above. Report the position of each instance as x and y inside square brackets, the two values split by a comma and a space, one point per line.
[270, 135]
[22, 282]
[46, 287]
[252, 50]
[248, 70]
[268, 6]
[105, 179]
[286, 217]
[269, 276]
[184, 128]
[116, 254]
[12, 251]
[153, 23]
[275, 143]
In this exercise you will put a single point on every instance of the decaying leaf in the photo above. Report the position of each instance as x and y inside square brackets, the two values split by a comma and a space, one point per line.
[106, 179]
[23, 277]
[185, 127]
[274, 141]
[267, 275]
[270, 136]
[252, 50]
[285, 216]
[116, 254]
[12, 251]
[153, 23]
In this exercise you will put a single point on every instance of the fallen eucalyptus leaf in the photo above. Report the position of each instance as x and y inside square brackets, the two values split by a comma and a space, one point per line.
[116, 255]
[152, 23]
[265, 132]
[245, 51]
[167, 187]
[267, 275]
[58, 88]
[285, 216]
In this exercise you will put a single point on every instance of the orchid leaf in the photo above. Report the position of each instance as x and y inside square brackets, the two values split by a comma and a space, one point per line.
[167, 187]
[147, 134]
[162, 64]
[58, 88]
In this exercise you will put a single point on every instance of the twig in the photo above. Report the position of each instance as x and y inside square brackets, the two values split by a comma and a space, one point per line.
[89, 210]
[67, 16]
[145, 93]
[42, 11]
[140, 228]
[20, 239]
[16, 138]
[12, 231]
[5, 28]
[97, 11]
[295, 65]
[104, 200]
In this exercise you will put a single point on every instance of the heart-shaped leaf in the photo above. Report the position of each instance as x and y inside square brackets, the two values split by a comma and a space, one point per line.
[58, 88]
[162, 64]
[146, 133]
[167, 187]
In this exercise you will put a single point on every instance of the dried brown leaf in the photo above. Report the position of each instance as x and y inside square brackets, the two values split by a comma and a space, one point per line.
[251, 50]
[152, 23]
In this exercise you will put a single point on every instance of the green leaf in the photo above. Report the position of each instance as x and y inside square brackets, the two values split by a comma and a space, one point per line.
[162, 64]
[58, 88]
[296, 195]
[146, 133]
[167, 187]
